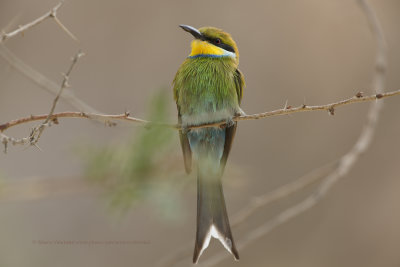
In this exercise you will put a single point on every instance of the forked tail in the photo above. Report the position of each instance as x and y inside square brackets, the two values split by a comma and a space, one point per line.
[212, 218]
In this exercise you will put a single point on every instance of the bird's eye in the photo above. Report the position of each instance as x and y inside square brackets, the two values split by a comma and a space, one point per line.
[217, 41]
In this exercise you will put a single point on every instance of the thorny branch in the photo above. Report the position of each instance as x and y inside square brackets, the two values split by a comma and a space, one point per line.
[107, 119]
[50, 14]
[37, 131]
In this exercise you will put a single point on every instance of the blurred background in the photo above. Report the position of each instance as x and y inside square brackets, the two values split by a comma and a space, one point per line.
[307, 50]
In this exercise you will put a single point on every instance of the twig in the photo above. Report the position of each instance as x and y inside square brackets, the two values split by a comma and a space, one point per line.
[34, 75]
[65, 29]
[107, 119]
[126, 117]
[5, 140]
[358, 98]
[346, 162]
[50, 14]
[37, 131]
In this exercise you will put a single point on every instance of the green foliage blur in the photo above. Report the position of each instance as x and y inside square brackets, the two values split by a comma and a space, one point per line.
[141, 168]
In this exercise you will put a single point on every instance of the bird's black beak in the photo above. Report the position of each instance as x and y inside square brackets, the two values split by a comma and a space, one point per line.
[193, 31]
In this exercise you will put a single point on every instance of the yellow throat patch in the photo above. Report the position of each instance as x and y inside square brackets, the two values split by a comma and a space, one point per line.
[205, 48]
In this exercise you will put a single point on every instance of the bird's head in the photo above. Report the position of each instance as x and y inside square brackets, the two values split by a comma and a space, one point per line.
[212, 42]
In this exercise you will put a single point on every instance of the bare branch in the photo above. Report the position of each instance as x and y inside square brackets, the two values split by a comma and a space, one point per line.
[107, 119]
[126, 117]
[37, 131]
[65, 29]
[34, 75]
[5, 140]
[50, 14]
[358, 98]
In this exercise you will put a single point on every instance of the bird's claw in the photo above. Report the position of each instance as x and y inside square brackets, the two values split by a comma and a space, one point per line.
[185, 129]
[228, 123]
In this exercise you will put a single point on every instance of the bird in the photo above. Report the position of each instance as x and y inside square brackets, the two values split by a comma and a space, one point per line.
[208, 88]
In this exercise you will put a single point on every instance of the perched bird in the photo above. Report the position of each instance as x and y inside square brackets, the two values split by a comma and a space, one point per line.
[208, 88]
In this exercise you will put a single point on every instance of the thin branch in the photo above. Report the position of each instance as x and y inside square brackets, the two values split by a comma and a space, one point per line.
[37, 131]
[107, 119]
[358, 98]
[346, 162]
[50, 14]
[34, 75]
[65, 29]
[5, 140]
[126, 117]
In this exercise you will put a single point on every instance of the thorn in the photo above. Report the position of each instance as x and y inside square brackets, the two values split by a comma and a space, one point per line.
[359, 94]
[5, 143]
[331, 111]
[285, 107]
[127, 113]
[303, 106]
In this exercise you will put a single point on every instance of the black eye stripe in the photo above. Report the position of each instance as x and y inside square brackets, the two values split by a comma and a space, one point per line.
[220, 44]
[226, 47]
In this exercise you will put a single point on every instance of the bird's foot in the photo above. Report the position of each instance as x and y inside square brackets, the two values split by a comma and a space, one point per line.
[228, 123]
[185, 129]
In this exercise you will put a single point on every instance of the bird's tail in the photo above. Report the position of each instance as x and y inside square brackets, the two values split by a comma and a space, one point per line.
[212, 218]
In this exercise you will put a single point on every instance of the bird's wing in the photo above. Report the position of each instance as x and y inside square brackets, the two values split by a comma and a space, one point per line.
[239, 83]
[229, 136]
[231, 130]
[187, 152]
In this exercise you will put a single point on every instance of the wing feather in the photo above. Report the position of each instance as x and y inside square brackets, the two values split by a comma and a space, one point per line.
[187, 152]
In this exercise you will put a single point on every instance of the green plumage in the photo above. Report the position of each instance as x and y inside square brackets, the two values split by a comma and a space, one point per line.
[207, 84]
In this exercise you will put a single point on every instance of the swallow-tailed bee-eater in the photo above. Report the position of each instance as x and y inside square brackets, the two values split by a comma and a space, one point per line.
[208, 88]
